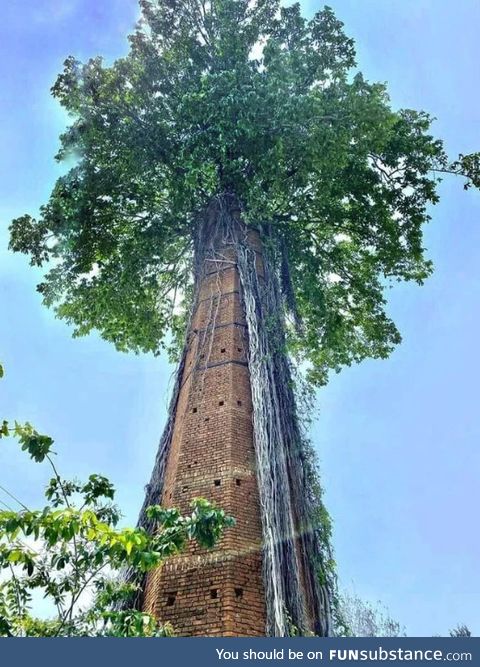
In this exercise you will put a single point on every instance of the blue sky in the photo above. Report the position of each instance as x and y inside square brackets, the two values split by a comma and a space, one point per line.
[397, 439]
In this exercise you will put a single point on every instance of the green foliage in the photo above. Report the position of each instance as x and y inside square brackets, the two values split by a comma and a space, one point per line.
[38, 446]
[72, 548]
[198, 108]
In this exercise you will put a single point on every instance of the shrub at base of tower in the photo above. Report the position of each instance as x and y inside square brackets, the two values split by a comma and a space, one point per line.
[69, 554]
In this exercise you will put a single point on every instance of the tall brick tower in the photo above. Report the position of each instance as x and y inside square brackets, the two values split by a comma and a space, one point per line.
[217, 592]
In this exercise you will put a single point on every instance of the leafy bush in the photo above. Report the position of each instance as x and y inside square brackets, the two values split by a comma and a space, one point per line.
[72, 552]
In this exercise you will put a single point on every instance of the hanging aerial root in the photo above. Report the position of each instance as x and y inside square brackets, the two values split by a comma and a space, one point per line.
[297, 588]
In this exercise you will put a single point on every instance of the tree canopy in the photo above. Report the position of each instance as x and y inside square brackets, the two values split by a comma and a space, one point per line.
[249, 98]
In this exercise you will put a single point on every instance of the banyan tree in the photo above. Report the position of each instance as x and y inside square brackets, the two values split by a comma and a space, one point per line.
[237, 133]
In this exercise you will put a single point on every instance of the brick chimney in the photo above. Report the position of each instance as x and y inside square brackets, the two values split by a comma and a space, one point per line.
[215, 592]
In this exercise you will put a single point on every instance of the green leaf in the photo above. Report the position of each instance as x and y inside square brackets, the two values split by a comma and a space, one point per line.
[38, 446]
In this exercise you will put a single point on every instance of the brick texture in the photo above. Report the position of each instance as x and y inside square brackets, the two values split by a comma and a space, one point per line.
[215, 592]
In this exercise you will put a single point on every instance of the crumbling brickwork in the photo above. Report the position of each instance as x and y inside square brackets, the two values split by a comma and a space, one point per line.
[215, 592]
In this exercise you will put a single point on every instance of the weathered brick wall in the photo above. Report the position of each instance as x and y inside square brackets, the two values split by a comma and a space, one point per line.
[215, 592]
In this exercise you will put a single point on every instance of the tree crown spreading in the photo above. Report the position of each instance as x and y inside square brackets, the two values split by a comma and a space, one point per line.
[252, 99]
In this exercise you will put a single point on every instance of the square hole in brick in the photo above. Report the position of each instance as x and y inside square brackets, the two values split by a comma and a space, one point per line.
[221, 402]
[171, 597]
[238, 482]
[239, 349]
[239, 403]
[239, 593]
[214, 593]
[222, 350]
[217, 482]
[194, 410]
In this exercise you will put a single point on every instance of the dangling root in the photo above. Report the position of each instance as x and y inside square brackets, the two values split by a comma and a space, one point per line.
[292, 557]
